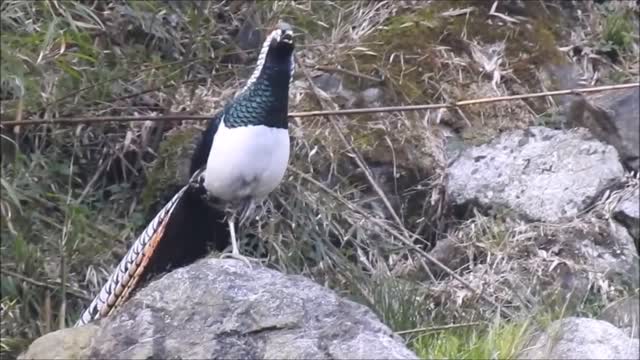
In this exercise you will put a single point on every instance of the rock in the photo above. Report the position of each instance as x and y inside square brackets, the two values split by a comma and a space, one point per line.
[332, 85]
[627, 213]
[328, 82]
[372, 97]
[543, 174]
[624, 314]
[630, 204]
[71, 343]
[614, 118]
[598, 253]
[223, 309]
[449, 253]
[564, 75]
[582, 338]
[527, 266]
[250, 36]
[454, 144]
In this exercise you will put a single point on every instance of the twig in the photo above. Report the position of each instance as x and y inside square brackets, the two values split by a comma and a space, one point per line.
[43, 284]
[92, 119]
[16, 130]
[63, 242]
[348, 72]
[438, 328]
[178, 117]
[95, 178]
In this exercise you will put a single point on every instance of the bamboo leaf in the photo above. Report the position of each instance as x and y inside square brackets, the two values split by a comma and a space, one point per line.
[11, 193]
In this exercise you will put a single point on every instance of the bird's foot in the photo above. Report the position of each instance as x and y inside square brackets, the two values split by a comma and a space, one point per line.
[235, 250]
[237, 256]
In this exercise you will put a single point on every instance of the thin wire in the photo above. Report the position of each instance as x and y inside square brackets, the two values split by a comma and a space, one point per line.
[402, 108]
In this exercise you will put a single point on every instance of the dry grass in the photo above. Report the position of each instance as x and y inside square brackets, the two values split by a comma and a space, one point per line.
[363, 199]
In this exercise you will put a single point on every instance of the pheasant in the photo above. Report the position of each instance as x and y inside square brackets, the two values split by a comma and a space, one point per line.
[240, 159]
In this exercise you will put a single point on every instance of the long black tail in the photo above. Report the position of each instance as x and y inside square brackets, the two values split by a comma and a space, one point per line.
[184, 230]
[193, 230]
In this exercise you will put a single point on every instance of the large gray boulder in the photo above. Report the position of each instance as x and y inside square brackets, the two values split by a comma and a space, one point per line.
[582, 338]
[224, 309]
[614, 118]
[543, 174]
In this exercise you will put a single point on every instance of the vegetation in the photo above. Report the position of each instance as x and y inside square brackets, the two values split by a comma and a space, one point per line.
[73, 198]
[495, 341]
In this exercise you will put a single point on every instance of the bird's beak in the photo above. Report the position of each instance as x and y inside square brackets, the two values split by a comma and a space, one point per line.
[287, 38]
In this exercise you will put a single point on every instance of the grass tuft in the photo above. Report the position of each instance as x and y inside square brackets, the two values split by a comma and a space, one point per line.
[497, 340]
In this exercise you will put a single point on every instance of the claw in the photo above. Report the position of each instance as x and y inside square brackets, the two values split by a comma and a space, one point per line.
[242, 258]
[235, 252]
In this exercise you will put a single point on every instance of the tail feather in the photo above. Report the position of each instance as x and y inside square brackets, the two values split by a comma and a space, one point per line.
[126, 275]
[185, 229]
[132, 281]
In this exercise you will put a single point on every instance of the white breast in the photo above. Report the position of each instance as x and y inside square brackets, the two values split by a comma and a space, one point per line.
[246, 161]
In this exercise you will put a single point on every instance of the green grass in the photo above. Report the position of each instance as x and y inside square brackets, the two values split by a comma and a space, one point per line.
[618, 29]
[398, 303]
[500, 340]
[49, 240]
[72, 58]
[403, 306]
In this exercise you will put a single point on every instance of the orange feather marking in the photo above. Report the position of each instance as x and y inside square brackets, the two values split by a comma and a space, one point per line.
[148, 253]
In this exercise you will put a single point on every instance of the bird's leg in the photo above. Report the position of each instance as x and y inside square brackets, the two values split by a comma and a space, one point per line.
[234, 241]
[235, 250]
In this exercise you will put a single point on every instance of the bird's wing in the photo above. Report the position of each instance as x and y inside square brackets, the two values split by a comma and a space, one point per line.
[127, 274]
[201, 152]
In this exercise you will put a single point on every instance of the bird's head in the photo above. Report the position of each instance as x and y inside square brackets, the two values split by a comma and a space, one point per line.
[278, 47]
[280, 41]
[276, 53]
